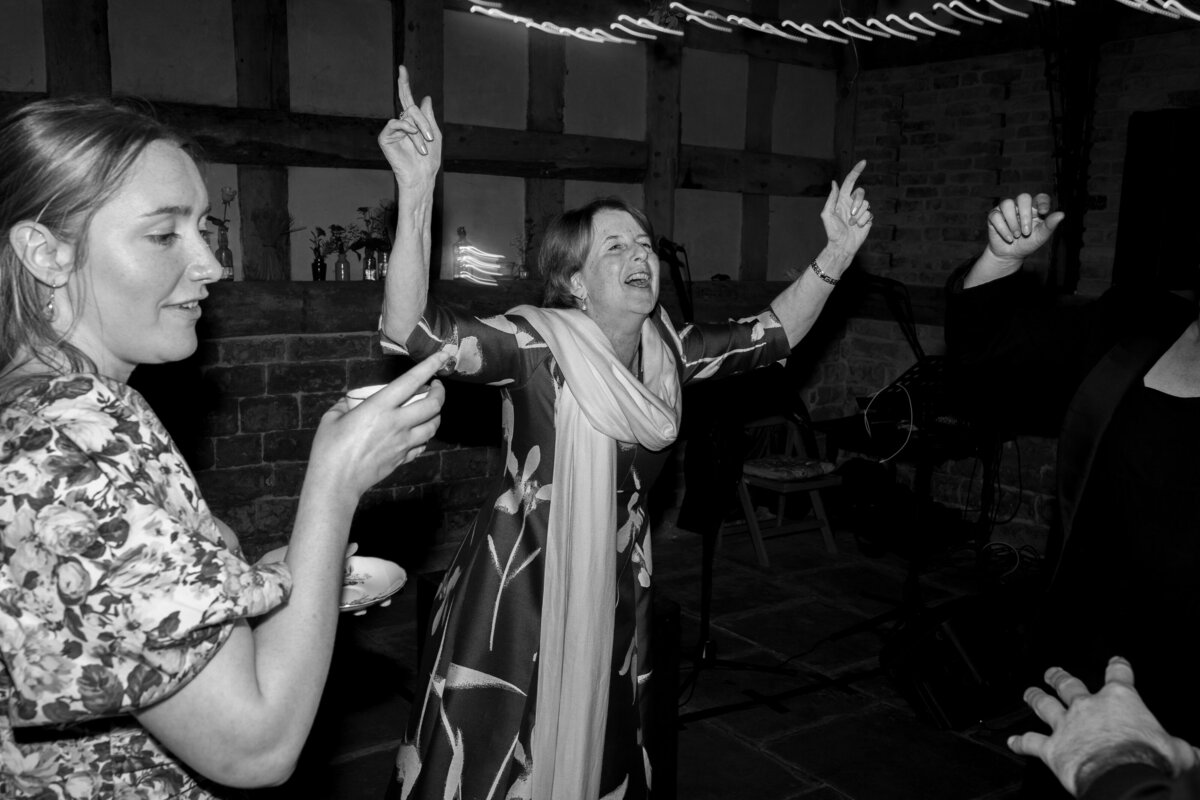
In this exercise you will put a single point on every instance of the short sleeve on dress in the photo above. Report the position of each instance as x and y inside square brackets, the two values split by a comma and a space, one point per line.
[116, 587]
[718, 350]
[500, 350]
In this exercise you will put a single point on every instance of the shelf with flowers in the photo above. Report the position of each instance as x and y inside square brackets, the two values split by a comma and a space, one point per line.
[369, 238]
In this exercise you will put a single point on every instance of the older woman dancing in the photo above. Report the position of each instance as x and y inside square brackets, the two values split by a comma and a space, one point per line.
[539, 654]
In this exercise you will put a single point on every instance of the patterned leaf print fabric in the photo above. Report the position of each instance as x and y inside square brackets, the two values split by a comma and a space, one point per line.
[116, 588]
[470, 728]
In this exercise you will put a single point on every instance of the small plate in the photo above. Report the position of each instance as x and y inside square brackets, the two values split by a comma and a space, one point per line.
[368, 581]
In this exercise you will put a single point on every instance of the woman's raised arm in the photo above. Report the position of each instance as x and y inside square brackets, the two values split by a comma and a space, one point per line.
[412, 145]
[847, 218]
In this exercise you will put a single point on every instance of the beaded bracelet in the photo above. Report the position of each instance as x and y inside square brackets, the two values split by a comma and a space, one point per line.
[832, 281]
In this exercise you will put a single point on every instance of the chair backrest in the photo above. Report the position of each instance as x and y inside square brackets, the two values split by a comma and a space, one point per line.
[800, 439]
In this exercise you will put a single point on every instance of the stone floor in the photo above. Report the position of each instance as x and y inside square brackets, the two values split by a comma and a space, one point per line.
[824, 720]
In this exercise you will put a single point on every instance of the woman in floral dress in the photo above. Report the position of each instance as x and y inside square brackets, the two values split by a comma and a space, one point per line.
[539, 654]
[128, 667]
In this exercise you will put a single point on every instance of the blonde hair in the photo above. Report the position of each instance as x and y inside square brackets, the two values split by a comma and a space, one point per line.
[61, 159]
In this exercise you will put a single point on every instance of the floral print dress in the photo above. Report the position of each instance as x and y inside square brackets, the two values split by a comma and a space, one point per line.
[470, 728]
[116, 588]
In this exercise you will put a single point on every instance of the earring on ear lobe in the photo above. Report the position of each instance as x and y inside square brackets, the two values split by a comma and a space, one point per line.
[50, 312]
[583, 304]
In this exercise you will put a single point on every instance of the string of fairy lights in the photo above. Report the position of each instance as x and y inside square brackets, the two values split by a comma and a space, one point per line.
[942, 19]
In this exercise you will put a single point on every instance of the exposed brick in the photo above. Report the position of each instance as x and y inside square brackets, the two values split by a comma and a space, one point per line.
[271, 413]
[287, 445]
[378, 369]
[330, 346]
[239, 380]
[238, 451]
[222, 420]
[275, 516]
[320, 376]
[314, 406]
[287, 478]
[253, 350]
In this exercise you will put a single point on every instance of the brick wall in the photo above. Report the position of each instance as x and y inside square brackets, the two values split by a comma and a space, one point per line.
[945, 141]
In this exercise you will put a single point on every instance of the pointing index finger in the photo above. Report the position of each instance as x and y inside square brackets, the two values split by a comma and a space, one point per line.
[852, 176]
[417, 376]
[403, 91]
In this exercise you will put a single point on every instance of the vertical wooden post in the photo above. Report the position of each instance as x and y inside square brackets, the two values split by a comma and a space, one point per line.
[418, 39]
[260, 45]
[544, 197]
[664, 68]
[77, 55]
[846, 111]
[761, 79]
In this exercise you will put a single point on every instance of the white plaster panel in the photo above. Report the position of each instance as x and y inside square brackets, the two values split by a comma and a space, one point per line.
[605, 90]
[22, 47]
[491, 208]
[173, 50]
[713, 99]
[487, 71]
[578, 193]
[709, 226]
[340, 57]
[323, 197]
[796, 235]
[805, 105]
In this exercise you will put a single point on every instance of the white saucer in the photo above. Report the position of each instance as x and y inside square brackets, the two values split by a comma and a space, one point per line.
[368, 581]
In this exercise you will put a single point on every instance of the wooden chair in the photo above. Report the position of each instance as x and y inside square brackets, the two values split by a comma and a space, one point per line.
[796, 469]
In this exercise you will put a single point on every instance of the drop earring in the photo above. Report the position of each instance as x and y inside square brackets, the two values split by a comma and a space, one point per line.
[583, 304]
[50, 312]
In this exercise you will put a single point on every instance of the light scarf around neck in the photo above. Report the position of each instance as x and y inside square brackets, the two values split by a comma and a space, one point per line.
[602, 403]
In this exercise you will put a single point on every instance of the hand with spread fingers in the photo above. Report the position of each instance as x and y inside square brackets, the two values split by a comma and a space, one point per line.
[1092, 733]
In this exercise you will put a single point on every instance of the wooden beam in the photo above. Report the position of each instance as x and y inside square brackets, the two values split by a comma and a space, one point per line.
[536, 154]
[266, 245]
[661, 162]
[269, 137]
[724, 170]
[418, 39]
[544, 197]
[761, 80]
[260, 45]
[77, 55]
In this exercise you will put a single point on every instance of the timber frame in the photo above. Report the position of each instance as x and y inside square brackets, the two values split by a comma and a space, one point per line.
[263, 137]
